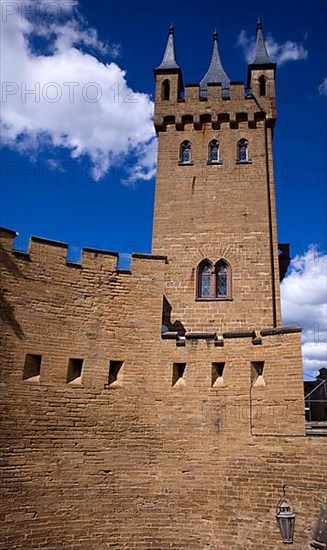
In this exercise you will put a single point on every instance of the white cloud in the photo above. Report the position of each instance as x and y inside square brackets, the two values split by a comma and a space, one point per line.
[304, 303]
[78, 102]
[247, 44]
[280, 53]
[322, 88]
[145, 167]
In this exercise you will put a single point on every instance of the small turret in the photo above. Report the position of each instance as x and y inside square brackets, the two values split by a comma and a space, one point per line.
[169, 81]
[261, 74]
[215, 74]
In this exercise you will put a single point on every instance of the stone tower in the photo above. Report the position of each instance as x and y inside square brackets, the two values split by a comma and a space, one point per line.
[215, 206]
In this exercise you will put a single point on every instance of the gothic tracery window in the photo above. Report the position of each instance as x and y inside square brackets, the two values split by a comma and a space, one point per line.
[222, 279]
[204, 279]
[214, 282]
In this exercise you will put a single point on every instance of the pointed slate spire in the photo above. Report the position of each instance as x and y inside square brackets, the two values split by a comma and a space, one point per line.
[261, 54]
[169, 58]
[215, 73]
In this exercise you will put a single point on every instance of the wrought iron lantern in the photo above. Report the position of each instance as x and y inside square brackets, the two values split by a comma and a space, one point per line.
[286, 519]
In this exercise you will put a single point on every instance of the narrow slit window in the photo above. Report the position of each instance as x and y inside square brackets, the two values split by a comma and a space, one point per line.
[214, 151]
[178, 373]
[115, 372]
[262, 86]
[165, 90]
[185, 152]
[74, 373]
[32, 366]
[242, 150]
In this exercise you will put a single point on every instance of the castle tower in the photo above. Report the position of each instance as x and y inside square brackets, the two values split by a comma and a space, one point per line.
[215, 207]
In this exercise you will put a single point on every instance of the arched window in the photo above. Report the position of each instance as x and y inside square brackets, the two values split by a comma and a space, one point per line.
[165, 90]
[185, 152]
[262, 85]
[214, 282]
[242, 150]
[213, 151]
[223, 279]
[204, 279]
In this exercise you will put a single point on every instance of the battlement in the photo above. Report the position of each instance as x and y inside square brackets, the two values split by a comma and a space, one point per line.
[218, 108]
[41, 251]
[215, 93]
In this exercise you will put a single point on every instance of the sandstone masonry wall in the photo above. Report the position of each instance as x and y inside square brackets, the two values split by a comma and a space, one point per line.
[141, 464]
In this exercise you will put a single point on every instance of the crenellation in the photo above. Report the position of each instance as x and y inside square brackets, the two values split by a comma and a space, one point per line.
[238, 108]
[99, 259]
[47, 242]
[7, 237]
[214, 94]
[192, 94]
[45, 252]
[237, 91]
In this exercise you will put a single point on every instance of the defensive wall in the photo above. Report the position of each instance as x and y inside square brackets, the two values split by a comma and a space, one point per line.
[150, 440]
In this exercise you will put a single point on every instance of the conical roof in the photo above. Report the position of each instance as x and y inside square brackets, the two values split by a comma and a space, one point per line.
[215, 73]
[261, 54]
[169, 58]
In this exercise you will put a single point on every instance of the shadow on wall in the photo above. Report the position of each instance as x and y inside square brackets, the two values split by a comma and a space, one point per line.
[177, 326]
[6, 309]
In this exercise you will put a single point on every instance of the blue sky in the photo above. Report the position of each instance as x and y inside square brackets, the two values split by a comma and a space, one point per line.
[78, 160]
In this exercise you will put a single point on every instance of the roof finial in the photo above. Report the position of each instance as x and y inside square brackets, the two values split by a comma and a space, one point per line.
[169, 58]
[261, 54]
[215, 73]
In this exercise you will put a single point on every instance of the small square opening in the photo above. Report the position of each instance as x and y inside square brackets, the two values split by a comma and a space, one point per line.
[257, 378]
[74, 373]
[115, 372]
[178, 372]
[32, 366]
[217, 374]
